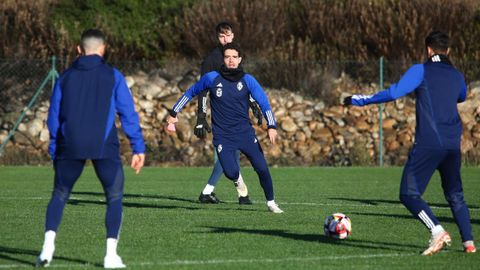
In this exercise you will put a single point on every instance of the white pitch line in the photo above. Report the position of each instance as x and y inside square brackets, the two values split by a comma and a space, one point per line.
[233, 261]
[354, 205]
[23, 198]
[259, 202]
[268, 260]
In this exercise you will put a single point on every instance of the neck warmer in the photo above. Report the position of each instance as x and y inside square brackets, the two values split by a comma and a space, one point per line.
[232, 74]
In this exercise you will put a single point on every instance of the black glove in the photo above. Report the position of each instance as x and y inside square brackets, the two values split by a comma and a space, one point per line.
[256, 112]
[202, 127]
[347, 101]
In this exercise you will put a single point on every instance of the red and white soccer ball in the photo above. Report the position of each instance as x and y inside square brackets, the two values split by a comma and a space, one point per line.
[337, 226]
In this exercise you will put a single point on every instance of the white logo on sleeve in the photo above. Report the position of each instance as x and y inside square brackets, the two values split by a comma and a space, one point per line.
[255, 141]
[239, 86]
[219, 148]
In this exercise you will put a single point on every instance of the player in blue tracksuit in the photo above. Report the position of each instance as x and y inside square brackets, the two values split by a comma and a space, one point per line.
[438, 87]
[81, 121]
[229, 90]
[213, 62]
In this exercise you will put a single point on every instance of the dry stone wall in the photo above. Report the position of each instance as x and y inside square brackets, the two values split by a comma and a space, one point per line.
[310, 133]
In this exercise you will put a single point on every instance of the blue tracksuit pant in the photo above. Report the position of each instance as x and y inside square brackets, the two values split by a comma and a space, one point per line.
[421, 165]
[250, 146]
[67, 171]
[218, 170]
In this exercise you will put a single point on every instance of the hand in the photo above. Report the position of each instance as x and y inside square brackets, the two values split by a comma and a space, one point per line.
[347, 101]
[172, 120]
[202, 127]
[272, 134]
[256, 112]
[171, 123]
[137, 162]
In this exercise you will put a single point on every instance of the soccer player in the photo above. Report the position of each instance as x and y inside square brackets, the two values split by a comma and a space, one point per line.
[213, 62]
[230, 90]
[438, 87]
[81, 121]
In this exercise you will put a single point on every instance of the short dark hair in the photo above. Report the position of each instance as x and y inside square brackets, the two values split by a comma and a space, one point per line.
[92, 33]
[232, 46]
[223, 27]
[438, 41]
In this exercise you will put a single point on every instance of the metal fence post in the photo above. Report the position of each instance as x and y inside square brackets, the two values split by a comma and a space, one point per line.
[53, 70]
[380, 122]
[53, 75]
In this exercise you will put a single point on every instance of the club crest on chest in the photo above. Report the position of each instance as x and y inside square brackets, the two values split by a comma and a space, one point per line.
[239, 86]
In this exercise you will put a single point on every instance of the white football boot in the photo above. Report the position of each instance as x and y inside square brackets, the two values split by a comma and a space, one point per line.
[273, 207]
[241, 187]
[437, 243]
[113, 262]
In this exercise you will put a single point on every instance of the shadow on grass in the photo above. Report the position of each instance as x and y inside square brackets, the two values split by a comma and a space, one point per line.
[144, 196]
[160, 197]
[441, 219]
[132, 204]
[319, 238]
[7, 253]
[382, 201]
[158, 206]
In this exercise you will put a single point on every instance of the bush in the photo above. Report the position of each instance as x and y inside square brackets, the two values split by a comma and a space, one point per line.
[26, 31]
[291, 42]
[135, 29]
[298, 45]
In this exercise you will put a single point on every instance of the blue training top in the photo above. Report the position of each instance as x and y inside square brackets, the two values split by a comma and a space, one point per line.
[229, 103]
[81, 118]
[438, 88]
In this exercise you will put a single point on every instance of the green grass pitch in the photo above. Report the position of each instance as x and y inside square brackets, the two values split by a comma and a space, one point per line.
[165, 228]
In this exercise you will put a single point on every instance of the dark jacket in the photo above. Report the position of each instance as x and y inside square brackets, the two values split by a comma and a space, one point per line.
[81, 118]
[213, 61]
[438, 87]
[229, 100]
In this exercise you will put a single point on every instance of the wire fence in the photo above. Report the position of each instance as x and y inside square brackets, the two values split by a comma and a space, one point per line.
[29, 82]
[19, 78]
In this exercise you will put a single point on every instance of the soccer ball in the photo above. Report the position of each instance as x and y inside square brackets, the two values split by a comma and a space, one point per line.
[337, 226]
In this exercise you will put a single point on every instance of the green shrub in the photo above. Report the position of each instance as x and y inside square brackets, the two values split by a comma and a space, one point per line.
[292, 42]
[135, 29]
[25, 30]
[297, 45]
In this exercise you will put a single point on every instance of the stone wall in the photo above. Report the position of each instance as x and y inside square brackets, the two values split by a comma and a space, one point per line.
[310, 133]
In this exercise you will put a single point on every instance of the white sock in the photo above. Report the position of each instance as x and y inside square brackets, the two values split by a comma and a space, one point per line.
[49, 239]
[271, 203]
[437, 229]
[241, 187]
[48, 245]
[112, 246]
[208, 189]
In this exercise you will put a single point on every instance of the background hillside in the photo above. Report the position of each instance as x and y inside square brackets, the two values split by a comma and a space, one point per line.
[291, 43]
[306, 53]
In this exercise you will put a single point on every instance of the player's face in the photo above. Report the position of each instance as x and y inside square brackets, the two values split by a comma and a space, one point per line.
[231, 58]
[225, 37]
